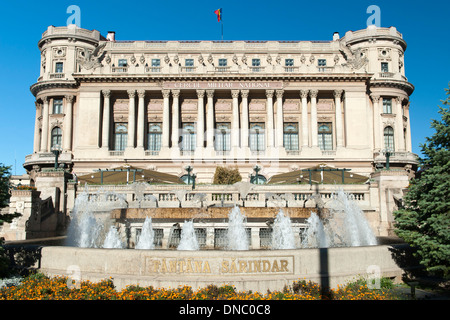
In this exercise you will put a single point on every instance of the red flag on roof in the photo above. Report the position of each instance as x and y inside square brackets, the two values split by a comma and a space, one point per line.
[219, 14]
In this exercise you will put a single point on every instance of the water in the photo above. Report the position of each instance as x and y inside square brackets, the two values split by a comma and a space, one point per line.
[315, 236]
[237, 236]
[89, 224]
[346, 226]
[282, 234]
[188, 239]
[146, 239]
[112, 240]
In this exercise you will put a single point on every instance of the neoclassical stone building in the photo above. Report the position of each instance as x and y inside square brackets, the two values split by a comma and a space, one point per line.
[281, 105]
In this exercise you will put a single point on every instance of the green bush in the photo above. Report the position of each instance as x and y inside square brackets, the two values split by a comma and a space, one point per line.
[225, 175]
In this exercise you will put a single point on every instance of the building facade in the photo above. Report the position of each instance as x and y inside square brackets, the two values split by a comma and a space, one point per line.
[281, 105]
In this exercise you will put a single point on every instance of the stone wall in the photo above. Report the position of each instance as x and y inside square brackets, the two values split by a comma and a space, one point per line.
[259, 270]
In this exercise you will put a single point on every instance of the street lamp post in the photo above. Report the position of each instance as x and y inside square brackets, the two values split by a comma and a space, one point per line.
[194, 176]
[388, 153]
[56, 149]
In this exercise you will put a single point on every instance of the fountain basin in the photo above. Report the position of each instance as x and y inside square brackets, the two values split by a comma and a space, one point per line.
[257, 270]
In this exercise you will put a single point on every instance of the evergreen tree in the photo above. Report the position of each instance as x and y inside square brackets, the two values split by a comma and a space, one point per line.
[424, 220]
[226, 175]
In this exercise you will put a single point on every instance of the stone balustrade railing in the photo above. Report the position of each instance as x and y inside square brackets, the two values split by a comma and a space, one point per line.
[143, 195]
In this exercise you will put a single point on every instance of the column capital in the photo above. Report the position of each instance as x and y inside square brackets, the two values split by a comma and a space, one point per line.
[69, 98]
[175, 93]
[269, 93]
[166, 93]
[200, 93]
[106, 93]
[313, 93]
[304, 93]
[244, 93]
[210, 93]
[45, 99]
[235, 93]
[398, 99]
[338, 93]
[141, 93]
[131, 93]
[375, 98]
[279, 93]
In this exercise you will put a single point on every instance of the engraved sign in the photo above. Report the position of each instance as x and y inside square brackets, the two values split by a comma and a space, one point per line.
[215, 266]
[223, 85]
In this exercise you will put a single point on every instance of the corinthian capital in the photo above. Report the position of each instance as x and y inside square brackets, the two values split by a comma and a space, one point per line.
[141, 93]
[175, 93]
[269, 93]
[166, 93]
[235, 93]
[375, 98]
[280, 93]
[338, 93]
[106, 93]
[210, 93]
[200, 93]
[304, 93]
[244, 93]
[69, 98]
[313, 93]
[131, 93]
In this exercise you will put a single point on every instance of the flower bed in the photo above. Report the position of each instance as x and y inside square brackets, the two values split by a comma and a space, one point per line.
[41, 287]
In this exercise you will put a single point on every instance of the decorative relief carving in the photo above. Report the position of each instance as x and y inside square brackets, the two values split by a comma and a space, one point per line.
[356, 59]
[92, 60]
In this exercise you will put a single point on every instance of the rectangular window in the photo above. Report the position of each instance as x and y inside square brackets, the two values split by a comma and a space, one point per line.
[325, 136]
[59, 67]
[256, 62]
[289, 62]
[188, 137]
[120, 136]
[222, 136]
[189, 62]
[387, 105]
[154, 136]
[384, 67]
[256, 137]
[123, 63]
[290, 136]
[57, 105]
[222, 62]
[322, 62]
[156, 62]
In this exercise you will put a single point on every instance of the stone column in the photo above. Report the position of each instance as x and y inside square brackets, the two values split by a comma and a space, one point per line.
[376, 122]
[339, 127]
[200, 119]
[131, 118]
[166, 120]
[37, 137]
[175, 117]
[44, 133]
[67, 146]
[314, 130]
[305, 130]
[106, 119]
[269, 120]
[141, 120]
[279, 126]
[399, 125]
[235, 120]
[210, 119]
[408, 146]
[245, 119]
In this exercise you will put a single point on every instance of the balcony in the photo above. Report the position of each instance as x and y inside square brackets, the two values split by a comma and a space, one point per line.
[188, 69]
[153, 69]
[57, 75]
[257, 69]
[397, 157]
[386, 75]
[119, 69]
[291, 69]
[222, 69]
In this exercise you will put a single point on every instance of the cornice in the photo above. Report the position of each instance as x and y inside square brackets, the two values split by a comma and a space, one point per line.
[399, 84]
[45, 85]
[354, 77]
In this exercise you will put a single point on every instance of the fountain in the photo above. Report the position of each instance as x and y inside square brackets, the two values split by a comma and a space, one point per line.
[147, 236]
[315, 236]
[237, 236]
[282, 235]
[112, 240]
[188, 239]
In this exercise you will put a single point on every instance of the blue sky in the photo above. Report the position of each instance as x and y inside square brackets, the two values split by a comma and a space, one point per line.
[424, 25]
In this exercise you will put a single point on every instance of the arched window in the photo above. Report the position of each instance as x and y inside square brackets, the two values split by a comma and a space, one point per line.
[56, 137]
[389, 138]
[188, 137]
[120, 136]
[290, 137]
[154, 137]
[325, 136]
[256, 137]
